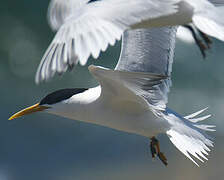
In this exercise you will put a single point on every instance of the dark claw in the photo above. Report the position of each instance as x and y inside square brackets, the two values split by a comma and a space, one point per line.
[162, 157]
[155, 150]
[202, 47]
[207, 40]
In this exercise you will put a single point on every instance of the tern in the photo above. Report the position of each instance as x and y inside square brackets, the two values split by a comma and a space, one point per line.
[132, 97]
[85, 28]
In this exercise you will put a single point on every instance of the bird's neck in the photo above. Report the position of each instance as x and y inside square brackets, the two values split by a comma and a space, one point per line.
[79, 106]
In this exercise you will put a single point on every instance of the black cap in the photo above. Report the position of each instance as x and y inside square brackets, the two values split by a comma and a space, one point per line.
[61, 95]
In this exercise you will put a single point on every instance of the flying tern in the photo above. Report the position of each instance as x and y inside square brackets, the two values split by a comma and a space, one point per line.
[132, 97]
[85, 28]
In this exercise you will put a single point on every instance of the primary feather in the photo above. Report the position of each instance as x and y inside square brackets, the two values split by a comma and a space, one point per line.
[184, 132]
[86, 29]
[155, 50]
[90, 28]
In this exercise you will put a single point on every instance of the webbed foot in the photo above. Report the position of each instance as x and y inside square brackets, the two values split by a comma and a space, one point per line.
[155, 150]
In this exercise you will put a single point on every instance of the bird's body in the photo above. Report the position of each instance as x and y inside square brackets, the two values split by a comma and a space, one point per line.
[123, 116]
[132, 97]
[118, 106]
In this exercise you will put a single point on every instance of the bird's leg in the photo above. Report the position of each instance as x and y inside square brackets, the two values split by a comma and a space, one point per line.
[199, 42]
[206, 38]
[153, 147]
[155, 150]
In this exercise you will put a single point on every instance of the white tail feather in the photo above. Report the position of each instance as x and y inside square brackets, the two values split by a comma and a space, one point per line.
[192, 118]
[205, 127]
[195, 114]
[200, 118]
[189, 137]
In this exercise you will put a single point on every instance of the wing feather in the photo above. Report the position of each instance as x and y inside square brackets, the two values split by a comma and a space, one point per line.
[217, 2]
[93, 26]
[59, 10]
[86, 22]
[132, 86]
[152, 51]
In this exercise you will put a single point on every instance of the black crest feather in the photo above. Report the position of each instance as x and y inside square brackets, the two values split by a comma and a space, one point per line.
[61, 95]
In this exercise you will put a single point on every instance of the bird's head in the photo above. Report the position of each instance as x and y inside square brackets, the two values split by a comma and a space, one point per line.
[49, 101]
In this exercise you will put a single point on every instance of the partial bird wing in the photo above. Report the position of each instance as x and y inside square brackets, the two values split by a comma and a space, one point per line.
[210, 22]
[151, 51]
[217, 2]
[91, 27]
[122, 86]
[208, 18]
[200, 38]
[59, 10]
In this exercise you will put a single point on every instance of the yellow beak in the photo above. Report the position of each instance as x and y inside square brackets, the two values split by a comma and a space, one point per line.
[29, 110]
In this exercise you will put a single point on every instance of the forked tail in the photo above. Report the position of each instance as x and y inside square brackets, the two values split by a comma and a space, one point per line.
[189, 136]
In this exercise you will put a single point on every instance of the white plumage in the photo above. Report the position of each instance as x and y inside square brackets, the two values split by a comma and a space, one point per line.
[133, 97]
[85, 29]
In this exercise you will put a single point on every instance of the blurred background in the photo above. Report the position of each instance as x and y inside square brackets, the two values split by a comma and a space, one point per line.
[42, 146]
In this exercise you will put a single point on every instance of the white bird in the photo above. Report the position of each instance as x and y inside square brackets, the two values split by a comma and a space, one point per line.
[85, 29]
[132, 98]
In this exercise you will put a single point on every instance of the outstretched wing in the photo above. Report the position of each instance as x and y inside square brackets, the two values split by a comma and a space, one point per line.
[91, 27]
[59, 10]
[151, 51]
[122, 86]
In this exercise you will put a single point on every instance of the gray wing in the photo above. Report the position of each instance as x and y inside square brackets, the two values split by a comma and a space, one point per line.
[217, 2]
[118, 87]
[152, 51]
[91, 27]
